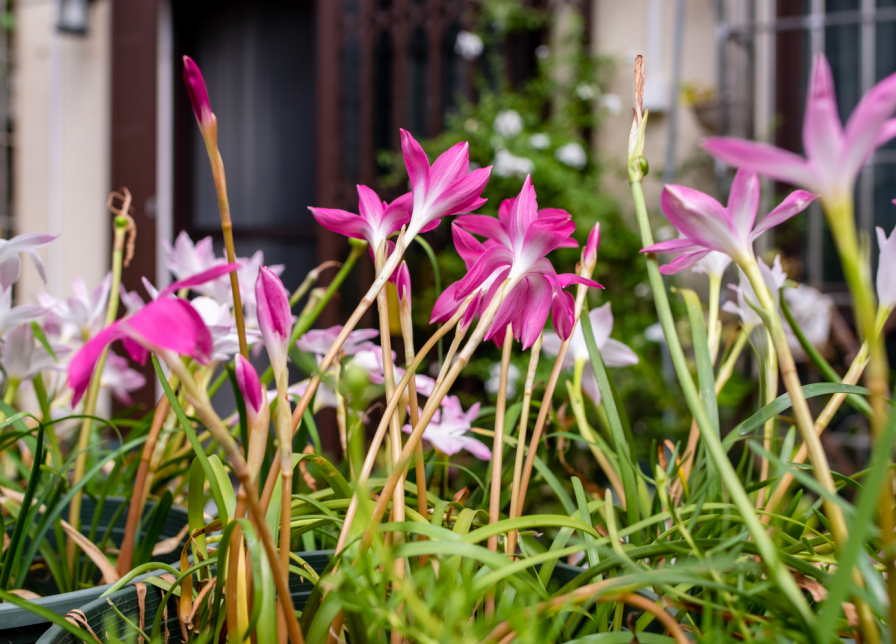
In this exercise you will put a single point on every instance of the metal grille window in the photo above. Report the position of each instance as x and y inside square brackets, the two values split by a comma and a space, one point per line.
[765, 54]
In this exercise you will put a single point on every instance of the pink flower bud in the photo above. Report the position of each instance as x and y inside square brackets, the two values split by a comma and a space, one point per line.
[402, 278]
[250, 387]
[198, 93]
[274, 317]
[589, 253]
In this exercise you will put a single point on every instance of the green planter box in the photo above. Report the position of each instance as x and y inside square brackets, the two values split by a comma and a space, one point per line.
[21, 626]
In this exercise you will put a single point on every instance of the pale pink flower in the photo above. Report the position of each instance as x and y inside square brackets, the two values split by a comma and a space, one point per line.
[886, 269]
[714, 264]
[12, 316]
[222, 325]
[319, 341]
[448, 427]
[613, 352]
[23, 357]
[834, 154]
[376, 222]
[10, 249]
[120, 379]
[774, 278]
[706, 225]
[80, 317]
[371, 361]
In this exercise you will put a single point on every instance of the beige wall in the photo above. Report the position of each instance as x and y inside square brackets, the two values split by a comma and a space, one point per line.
[623, 29]
[62, 146]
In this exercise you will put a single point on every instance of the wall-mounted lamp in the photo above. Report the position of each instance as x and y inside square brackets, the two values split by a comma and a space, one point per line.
[73, 17]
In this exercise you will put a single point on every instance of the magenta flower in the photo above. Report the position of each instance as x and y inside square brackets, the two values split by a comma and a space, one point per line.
[446, 431]
[164, 326]
[250, 387]
[274, 316]
[376, 222]
[198, 94]
[516, 253]
[834, 155]
[706, 225]
[443, 189]
[589, 255]
[319, 341]
[402, 280]
[10, 249]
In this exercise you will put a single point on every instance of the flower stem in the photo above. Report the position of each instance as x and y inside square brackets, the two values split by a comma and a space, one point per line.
[778, 572]
[534, 354]
[771, 392]
[121, 225]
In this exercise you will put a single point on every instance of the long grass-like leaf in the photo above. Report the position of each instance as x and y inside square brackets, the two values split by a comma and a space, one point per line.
[781, 403]
[16, 542]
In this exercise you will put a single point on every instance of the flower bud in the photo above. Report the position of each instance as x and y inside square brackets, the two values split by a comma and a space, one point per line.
[274, 316]
[250, 387]
[589, 253]
[198, 94]
[403, 282]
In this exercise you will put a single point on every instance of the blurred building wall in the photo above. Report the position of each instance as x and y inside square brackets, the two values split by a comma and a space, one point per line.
[623, 30]
[61, 108]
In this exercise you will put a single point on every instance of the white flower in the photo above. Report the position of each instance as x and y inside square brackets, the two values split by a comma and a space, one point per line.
[120, 379]
[612, 103]
[371, 361]
[542, 52]
[80, 317]
[11, 264]
[468, 45]
[508, 123]
[713, 264]
[185, 259]
[774, 277]
[540, 141]
[23, 357]
[12, 316]
[886, 269]
[494, 379]
[222, 326]
[613, 352]
[447, 428]
[586, 91]
[507, 164]
[655, 333]
[812, 311]
[572, 154]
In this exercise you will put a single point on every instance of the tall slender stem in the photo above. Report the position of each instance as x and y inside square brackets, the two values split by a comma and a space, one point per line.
[771, 392]
[407, 334]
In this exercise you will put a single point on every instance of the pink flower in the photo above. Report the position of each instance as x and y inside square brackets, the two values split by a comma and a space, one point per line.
[774, 278]
[589, 255]
[402, 280]
[166, 325]
[443, 189]
[12, 316]
[319, 341]
[250, 387]
[371, 361]
[120, 379]
[274, 316]
[447, 428]
[10, 249]
[834, 155]
[376, 222]
[198, 94]
[79, 317]
[705, 225]
[516, 252]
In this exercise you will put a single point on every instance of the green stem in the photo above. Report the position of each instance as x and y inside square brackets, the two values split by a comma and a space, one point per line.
[713, 444]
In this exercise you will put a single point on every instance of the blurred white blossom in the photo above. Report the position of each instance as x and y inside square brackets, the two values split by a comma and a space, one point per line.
[494, 379]
[542, 52]
[540, 141]
[468, 45]
[508, 123]
[612, 103]
[774, 277]
[507, 164]
[586, 91]
[812, 310]
[572, 154]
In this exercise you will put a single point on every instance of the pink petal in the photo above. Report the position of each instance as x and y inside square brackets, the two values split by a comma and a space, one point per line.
[446, 305]
[565, 279]
[463, 196]
[342, 222]
[250, 387]
[197, 92]
[476, 447]
[173, 325]
[765, 159]
[486, 226]
[416, 162]
[822, 128]
[886, 133]
[274, 317]
[468, 247]
[867, 124]
[512, 306]
[683, 262]
[398, 214]
[491, 260]
[402, 280]
[563, 313]
[80, 369]
[589, 255]
[370, 206]
[524, 213]
[680, 245]
[504, 211]
[535, 313]
[199, 279]
[700, 218]
[616, 354]
[795, 203]
[743, 202]
[136, 351]
[450, 167]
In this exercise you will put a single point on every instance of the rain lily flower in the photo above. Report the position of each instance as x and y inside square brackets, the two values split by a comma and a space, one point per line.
[23, 357]
[886, 269]
[324, 397]
[443, 189]
[812, 311]
[166, 326]
[834, 154]
[774, 278]
[517, 253]
[613, 352]
[11, 264]
[376, 222]
[319, 341]
[119, 378]
[251, 389]
[705, 225]
[371, 361]
[184, 259]
[80, 317]
[12, 316]
[446, 431]
[274, 317]
[198, 95]
[219, 320]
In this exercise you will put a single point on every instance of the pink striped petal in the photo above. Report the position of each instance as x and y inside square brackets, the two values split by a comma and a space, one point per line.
[867, 123]
[416, 162]
[274, 316]
[80, 369]
[538, 305]
[563, 313]
[683, 262]
[795, 203]
[250, 387]
[765, 159]
[680, 245]
[589, 254]
[451, 166]
[486, 226]
[468, 247]
[743, 202]
[199, 279]
[822, 128]
[446, 305]
[512, 306]
[402, 280]
[700, 218]
[173, 325]
[342, 222]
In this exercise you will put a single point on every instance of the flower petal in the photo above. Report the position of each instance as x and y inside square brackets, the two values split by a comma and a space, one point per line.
[700, 218]
[486, 226]
[468, 247]
[563, 313]
[743, 202]
[80, 369]
[416, 162]
[765, 159]
[683, 262]
[199, 279]
[616, 354]
[796, 202]
[867, 123]
[512, 306]
[822, 128]
[476, 447]
[197, 92]
[342, 222]
[535, 313]
[173, 325]
[250, 387]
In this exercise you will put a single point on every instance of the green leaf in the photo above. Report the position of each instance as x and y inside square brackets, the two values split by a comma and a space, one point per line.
[781, 403]
[16, 542]
[224, 484]
[42, 338]
[585, 516]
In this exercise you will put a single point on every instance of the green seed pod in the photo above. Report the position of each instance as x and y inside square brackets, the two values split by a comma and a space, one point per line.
[642, 163]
